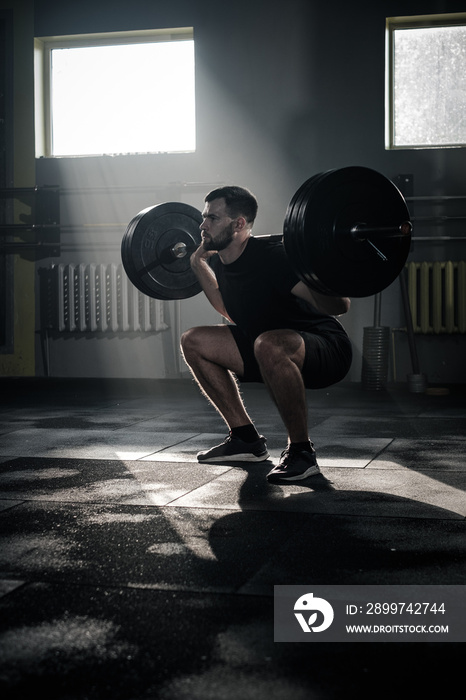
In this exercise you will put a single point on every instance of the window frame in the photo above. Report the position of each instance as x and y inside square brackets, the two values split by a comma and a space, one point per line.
[43, 47]
[393, 24]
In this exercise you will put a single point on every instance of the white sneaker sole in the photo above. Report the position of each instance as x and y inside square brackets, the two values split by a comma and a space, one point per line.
[312, 471]
[247, 457]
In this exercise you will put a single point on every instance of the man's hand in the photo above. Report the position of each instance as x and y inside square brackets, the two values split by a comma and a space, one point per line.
[201, 256]
[334, 306]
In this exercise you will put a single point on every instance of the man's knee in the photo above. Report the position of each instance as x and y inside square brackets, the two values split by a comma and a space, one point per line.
[272, 347]
[202, 341]
[266, 348]
[189, 341]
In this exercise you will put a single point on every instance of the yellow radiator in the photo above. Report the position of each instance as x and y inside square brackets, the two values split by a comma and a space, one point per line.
[437, 296]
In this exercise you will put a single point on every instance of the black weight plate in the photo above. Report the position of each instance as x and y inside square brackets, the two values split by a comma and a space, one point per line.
[334, 260]
[155, 271]
[292, 240]
[128, 262]
[300, 227]
[146, 250]
[295, 240]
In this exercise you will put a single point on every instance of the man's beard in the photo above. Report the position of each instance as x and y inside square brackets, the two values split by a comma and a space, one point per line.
[223, 239]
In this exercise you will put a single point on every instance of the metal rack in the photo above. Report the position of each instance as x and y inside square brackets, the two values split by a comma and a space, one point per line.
[43, 222]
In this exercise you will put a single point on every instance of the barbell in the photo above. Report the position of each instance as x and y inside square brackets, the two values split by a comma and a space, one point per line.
[346, 232]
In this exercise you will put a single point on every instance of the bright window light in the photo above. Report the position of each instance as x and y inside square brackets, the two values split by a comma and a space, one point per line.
[122, 98]
[427, 89]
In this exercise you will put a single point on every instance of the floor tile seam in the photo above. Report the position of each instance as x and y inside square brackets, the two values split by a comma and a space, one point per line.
[15, 503]
[234, 591]
[214, 477]
[380, 451]
[214, 590]
[457, 517]
[167, 447]
[400, 468]
[82, 504]
[435, 470]
[61, 504]
[22, 583]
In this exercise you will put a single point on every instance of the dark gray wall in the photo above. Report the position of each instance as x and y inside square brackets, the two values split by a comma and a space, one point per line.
[308, 77]
[283, 92]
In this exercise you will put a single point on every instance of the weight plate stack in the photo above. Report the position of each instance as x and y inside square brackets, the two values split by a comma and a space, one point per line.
[329, 257]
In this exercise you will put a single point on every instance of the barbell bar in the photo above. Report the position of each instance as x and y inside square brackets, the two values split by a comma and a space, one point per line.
[346, 232]
[362, 232]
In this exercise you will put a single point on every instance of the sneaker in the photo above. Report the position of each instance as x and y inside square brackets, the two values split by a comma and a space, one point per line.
[293, 466]
[232, 449]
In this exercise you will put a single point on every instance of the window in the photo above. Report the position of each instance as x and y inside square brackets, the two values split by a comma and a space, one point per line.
[426, 81]
[116, 93]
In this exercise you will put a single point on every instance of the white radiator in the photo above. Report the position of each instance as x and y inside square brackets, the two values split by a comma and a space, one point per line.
[95, 297]
[437, 296]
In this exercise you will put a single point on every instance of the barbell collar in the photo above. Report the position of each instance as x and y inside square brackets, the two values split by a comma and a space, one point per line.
[180, 250]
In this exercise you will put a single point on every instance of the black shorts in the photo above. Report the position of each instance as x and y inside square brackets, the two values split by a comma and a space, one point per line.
[327, 361]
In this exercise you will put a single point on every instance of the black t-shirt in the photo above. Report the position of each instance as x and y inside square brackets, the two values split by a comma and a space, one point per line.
[256, 290]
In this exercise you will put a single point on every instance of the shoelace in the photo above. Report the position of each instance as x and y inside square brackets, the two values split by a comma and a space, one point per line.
[287, 455]
[290, 456]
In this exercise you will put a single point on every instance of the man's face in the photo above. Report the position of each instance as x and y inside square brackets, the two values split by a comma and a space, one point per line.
[217, 227]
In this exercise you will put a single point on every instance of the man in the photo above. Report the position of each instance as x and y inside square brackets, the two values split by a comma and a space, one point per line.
[284, 334]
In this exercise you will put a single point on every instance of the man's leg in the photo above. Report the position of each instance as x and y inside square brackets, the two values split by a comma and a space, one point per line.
[212, 355]
[280, 355]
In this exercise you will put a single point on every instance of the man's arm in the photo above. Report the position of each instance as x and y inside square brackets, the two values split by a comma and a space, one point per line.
[334, 306]
[207, 279]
